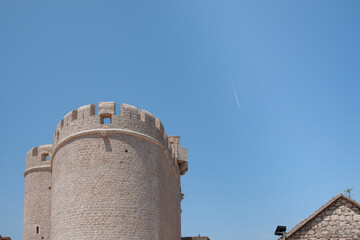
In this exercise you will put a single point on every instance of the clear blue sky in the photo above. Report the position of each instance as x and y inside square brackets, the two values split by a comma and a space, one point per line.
[288, 145]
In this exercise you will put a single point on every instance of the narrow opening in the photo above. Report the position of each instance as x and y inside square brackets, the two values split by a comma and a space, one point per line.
[96, 108]
[118, 108]
[107, 121]
[45, 157]
[105, 118]
[37, 229]
[57, 135]
[126, 150]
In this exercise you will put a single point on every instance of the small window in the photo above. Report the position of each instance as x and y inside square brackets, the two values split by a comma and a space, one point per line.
[107, 121]
[45, 157]
[37, 229]
[105, 118]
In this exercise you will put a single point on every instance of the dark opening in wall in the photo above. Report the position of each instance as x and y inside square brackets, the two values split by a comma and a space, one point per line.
[105, 118]
[37, 229]
[45, 157]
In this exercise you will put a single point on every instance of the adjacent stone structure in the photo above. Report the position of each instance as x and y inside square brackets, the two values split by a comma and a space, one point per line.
[195, 238]
[4, 238]
[106, 176]
[337, 219]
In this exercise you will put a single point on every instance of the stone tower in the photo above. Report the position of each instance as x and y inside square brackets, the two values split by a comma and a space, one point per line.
[108, 176]
[37, 198]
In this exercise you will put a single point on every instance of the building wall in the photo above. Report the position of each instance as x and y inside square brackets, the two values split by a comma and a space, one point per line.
[341, 220]
[37, 198]
[114, 181]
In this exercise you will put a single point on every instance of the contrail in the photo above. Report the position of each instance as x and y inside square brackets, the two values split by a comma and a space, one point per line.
[236, 96]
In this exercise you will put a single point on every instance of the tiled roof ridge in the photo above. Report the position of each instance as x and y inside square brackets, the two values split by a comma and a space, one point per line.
[4, 238]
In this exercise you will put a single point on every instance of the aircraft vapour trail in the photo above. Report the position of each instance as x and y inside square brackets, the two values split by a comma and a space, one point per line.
[236, 96]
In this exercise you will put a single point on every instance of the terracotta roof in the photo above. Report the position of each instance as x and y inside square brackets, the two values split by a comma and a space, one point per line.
[320, 210]
[4, 238]
[195, 238]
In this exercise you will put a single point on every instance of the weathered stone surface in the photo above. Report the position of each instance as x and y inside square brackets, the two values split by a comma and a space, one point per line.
[37, 197]
[339, 220]
[116, 180]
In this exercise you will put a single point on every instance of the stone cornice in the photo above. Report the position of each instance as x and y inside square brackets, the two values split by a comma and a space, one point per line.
[44, 167]
[105, 132]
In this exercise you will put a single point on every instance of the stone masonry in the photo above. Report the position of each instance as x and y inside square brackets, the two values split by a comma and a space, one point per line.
[338, 219]
[106, 176]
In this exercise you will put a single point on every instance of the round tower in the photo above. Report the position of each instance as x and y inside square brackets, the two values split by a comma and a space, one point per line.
[37, 198]
[115, 176]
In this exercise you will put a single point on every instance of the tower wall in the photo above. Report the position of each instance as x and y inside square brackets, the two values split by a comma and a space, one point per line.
[114, 181]
[37, 198]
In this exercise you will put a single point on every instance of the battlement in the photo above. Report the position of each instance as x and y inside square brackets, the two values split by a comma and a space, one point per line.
[91, 118]
[107, 161]
[38, 157]
[180, 153]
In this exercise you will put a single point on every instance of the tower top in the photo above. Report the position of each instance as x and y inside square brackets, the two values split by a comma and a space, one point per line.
[104, 118]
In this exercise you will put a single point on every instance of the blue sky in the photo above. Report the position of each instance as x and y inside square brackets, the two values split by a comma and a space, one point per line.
[289, 146]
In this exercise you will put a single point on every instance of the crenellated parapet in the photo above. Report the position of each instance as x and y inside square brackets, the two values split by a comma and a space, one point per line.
[111, 172]
[38, 158]
[103, 119]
